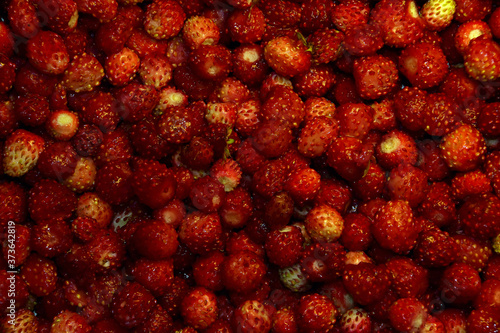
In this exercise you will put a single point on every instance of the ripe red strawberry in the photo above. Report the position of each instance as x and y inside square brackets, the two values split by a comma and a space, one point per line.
[288, 57]
[284, 104]
[249, 64]
[251, 316]
[146, 141]
[326, 45]
[278, 210]
[354, 119]
[83, 178]
[454, 320]
[468, 31]
[40, 275]
[31, 81]
[115, 147]
[316, 81]
[493, 22]
[102, 10]
[408, 314]
[480, 57]
[399, 22]
[51, 237]
[440, 106]
[460, 283]
[47, 53]
[155, 275]
[207, 194]
[356, 235]
[181, 123]
[483, 320]
[469, 184]
[280, 13]
[284, 246]
[206, 270]
[272, 138]
[479, 216]
[486, 296]
[84, 73]
[111, 36]
[155, 71]
[6, 40]
[366, 282]
[201, 232]
[155, 240]
[99, 111]
[243, 271]
[316, 136]
[23, 18]
[423, 64]
[200, 30]
[153, 183]
[199, 308]
[349, 157]
[472, 10]
[476, 253]
[121, 66]
[408, 278]
[409, 183]
[132, 305]
[70, 321]
[356, 320]
[22, 241]
[438, 205]
[319, 106]
[315, 313]
[32, 109]
[409, 106]
[438, 14]
[211, 62]
[58, 161]
[394, 227]
[135, 101]
[21, 152]
[62, 124]
[350, 14]
[375, 76]
[246, 26]
[435, 248]
[113, 183]
[488, 121]
[396, 147]
[49, 199]
[15, 203]
[363, 40]
[8, 73]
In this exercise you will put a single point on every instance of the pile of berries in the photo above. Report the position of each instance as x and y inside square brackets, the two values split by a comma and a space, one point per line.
[284, 166]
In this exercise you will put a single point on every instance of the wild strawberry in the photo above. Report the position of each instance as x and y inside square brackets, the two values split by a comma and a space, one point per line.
[303, 185]
[170, 97]
[288, 57]
[438, 205]
[100, 111]
[251, 316]
[115, 147]
[468, 31]
[103, 11]
[316, 312]
[23, 18]
[200, 30]
[469, 184]
[21, 152]
[113, 183]
[467, 10]
[408, 183]
[246, 25]
[272, 138]
[356, 235]
[155, 275]
[479, 216]
[15, 203]
[438, 14]
[24, 321]
[157, 319]
[349, 157]
[322, 262]
[146, 141]
[316, 136]
[284, 320]
[408, 278]
[480, 57]
[281, 13]
[120, 67]
[207, 194]
[363, 40]
[483, 320]
[206, 270]
[423, 64]
[153, 183]
[211, 62]
[135, 101]
[326, 45]
[58, 161]
[62, 124]
[463, 149]
[49, 199]
[32, 109]
[441, 114]
[6, 40]
[394, 148]
[199, 308]
[375, 76]
[164, 19]
[350, 14]
[460, 283]
[40, 274]
[8, 72]
[84, 73]
[180, 124]
[51, 237]
[201, 232]
[454, 320]
[155, 240]
[399, 22]
[283, 103]
[434, 248]
[409, 105]
[488, 120]
[155, 71]
[486, 296]
[394, 227]
[243, 271]
[278, 210]
[111, 36]
[408, 314]
[132, 305]
[316, 81]
[221, 113]
[47, 53]
[354, 119]
[476, 253]
[284, 246]
[366, 282]
[319, 106]
[324, 223]
[31, 81]
[356, 320]
[227, 172]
